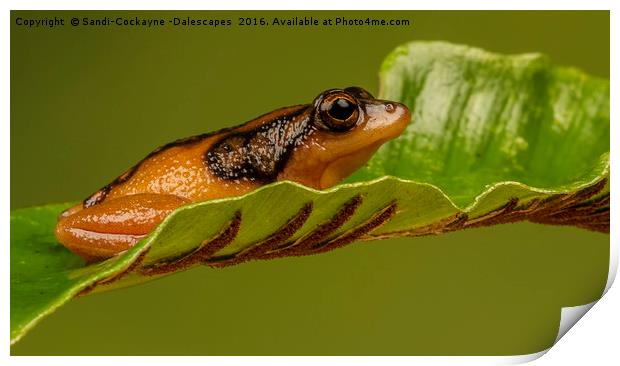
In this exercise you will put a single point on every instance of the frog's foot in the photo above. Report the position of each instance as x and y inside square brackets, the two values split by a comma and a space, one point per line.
[114, 225]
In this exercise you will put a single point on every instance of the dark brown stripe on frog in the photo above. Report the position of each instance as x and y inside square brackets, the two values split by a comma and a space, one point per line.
[259, 155]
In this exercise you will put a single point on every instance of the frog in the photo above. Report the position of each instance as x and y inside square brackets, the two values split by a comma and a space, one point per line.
[316, 145]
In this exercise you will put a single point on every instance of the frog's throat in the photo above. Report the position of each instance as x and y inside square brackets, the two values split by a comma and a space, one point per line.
[343, 166]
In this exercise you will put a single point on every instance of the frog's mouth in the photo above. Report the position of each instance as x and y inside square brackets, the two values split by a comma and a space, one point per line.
[343, 166]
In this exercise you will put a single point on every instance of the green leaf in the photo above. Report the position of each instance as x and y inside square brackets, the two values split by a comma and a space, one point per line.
[481, 118]
[493, 139]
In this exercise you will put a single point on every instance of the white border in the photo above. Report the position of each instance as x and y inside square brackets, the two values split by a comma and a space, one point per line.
[595, 342]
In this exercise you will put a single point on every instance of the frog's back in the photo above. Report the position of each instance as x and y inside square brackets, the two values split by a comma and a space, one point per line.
[179, 168]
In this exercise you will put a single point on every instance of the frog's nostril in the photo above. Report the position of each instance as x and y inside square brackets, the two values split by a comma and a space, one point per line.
[390, 108]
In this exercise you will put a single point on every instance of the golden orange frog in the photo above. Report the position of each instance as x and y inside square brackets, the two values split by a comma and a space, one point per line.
[315, 144]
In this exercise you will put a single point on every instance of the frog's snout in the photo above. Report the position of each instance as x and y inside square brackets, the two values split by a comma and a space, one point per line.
[396, 118]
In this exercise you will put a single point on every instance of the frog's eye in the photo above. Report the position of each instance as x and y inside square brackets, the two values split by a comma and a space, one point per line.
[339, 113]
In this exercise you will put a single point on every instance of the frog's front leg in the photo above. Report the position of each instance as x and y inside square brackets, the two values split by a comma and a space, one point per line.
[114, 225]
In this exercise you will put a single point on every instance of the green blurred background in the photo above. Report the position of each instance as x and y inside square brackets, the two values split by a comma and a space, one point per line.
[88, 102]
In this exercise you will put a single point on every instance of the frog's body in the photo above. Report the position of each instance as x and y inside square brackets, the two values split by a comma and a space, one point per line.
[316, 145]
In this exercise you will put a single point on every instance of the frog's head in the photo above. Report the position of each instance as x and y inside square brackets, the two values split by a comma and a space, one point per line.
[349, 125]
